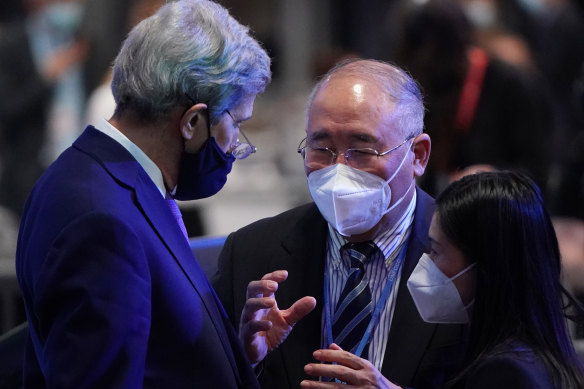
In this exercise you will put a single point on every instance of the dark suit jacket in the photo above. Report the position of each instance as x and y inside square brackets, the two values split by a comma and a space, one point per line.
[113, 294]
[418, 353]
[511, 366]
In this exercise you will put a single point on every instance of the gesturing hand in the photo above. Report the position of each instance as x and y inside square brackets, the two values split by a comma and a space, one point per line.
[354, 371]
[263, 326]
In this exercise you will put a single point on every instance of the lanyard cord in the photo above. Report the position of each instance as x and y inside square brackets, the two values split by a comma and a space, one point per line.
[393, 272]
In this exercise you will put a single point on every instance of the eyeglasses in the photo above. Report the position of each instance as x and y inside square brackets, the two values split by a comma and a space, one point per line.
[241, 150]
[319, 157]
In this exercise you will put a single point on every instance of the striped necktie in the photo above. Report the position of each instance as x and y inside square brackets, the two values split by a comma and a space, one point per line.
[176, 213]
[355, 306]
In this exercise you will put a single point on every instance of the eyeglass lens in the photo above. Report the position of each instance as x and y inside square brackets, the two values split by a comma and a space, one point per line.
[325, 157]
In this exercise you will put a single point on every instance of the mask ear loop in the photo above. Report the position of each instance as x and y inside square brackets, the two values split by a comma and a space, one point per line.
[463, 271]
[393, 175]
[458, 275]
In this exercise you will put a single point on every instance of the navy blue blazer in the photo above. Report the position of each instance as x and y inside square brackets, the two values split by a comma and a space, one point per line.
[512, 365]
[418, 354]
[113, 295]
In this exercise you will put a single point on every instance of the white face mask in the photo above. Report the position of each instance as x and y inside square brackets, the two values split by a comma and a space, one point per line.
[351, 200]
[435, 295]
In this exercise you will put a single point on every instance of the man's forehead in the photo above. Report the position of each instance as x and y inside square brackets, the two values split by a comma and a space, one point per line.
[342, 94]
[357, 86]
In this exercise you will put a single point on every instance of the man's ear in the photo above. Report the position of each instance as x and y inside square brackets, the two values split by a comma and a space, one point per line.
[194, 120]
[422, 145]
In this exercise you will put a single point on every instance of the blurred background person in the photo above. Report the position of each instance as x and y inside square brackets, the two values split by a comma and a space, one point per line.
[104, 25]
[53, 26]
[558, 47]
[481, 110]
[24, 96]
[545, 38]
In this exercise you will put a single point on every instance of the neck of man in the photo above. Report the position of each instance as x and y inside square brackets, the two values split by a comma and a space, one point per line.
[159, 140]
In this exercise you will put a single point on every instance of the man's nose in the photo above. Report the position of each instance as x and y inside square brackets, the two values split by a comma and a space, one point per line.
[341, 158]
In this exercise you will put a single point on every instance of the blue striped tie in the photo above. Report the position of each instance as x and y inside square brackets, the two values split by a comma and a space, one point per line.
[355, 306]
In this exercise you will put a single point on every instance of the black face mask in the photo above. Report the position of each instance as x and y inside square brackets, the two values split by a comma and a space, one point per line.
[202, 174]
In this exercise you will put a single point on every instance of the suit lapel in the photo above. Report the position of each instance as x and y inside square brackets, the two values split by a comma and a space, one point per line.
[126, 170]
[303, 248]
[156, 210]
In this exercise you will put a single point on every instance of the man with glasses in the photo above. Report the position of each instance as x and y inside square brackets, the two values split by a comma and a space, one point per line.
[350, 253]
[114, 297]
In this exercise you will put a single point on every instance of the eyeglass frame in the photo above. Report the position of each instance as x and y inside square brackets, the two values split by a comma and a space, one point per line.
[365, 150]
[251, 149]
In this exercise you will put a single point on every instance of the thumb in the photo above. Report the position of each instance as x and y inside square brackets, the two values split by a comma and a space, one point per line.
[299, 309]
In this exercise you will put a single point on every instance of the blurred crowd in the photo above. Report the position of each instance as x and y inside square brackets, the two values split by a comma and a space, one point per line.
[53, 55]
[503, 82]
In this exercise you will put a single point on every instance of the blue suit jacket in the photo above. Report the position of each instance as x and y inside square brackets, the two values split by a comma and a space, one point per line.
[418, 354]
[510, 365]
[113, 294]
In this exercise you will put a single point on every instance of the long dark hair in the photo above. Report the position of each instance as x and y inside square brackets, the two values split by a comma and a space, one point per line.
[499, 221]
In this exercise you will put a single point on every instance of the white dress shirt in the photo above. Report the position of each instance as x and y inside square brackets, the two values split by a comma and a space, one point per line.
[390, 242]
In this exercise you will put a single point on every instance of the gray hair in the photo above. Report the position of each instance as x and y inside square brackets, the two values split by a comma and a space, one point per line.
[188, 50]
[396, 83]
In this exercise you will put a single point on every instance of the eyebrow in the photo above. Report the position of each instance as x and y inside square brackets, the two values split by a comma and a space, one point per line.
[433, 241]
[319, 135]
[361, 137]
[245, 119]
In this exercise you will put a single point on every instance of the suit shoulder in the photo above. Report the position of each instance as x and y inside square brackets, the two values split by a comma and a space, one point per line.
[511, 369]
[424, 199]
[307, 213]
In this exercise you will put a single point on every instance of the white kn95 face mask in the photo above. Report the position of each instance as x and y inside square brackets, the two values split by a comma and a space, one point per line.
[352, 200]
[435, 295]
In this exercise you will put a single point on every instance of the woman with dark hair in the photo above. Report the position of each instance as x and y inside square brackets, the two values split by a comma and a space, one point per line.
[494, 262]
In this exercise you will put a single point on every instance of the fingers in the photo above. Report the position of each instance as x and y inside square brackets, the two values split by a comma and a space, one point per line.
[250, 328]
[355, 372]
[299, 309]
[260, 297]
[267, 285]
[256, 289]
[253, 305]
[277, 275]
[341, 357]
[307, 384]
[340, 372]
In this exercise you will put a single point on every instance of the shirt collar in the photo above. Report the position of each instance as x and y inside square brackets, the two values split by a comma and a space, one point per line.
[389, 241]
[147, 164]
